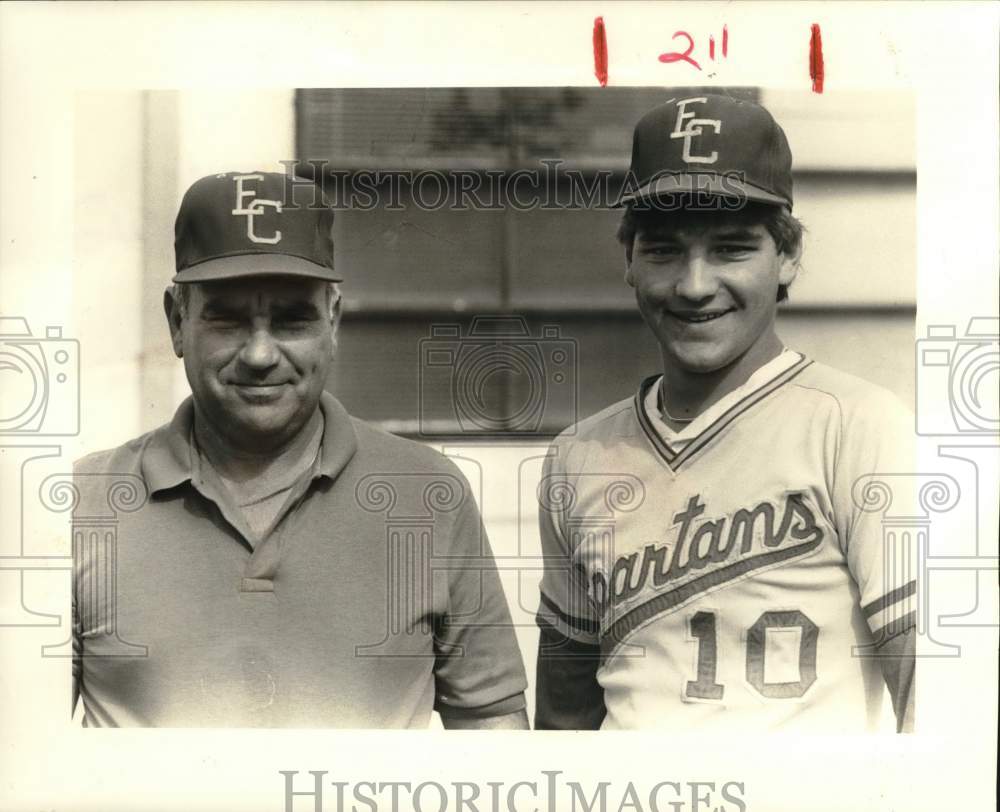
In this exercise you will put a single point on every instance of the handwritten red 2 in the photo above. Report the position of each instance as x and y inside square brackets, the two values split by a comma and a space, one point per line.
[684, 57]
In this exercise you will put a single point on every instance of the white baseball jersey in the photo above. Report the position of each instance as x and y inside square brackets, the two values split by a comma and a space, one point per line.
[734, 573]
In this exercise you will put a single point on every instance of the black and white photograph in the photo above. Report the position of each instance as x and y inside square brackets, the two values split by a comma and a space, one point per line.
[487, 266]
[643, 414]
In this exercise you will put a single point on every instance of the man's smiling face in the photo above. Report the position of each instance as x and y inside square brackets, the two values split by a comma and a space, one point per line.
[707, 287]
[257, 352]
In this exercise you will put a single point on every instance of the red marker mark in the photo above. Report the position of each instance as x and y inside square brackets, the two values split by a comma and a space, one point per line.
[725, 40]
[711, 47]
[686, 56]
[816, 59]
[600, 52]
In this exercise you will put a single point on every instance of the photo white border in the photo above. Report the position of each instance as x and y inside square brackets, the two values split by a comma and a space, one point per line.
[50, 52]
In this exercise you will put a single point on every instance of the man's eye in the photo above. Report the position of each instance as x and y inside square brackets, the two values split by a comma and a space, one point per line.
[294, 322]
[734, 250]
[221, 321]
[660, 250]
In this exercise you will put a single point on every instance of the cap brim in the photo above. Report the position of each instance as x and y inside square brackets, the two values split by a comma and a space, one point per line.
[233, 267]
[694, 185]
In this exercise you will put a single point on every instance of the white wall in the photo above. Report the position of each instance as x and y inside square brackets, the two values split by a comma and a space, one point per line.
[108, 263]
[136, 152]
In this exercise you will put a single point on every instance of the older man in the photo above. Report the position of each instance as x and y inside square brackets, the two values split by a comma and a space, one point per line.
[288, 565]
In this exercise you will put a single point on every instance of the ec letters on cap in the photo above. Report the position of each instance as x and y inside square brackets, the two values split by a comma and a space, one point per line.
[714, 145]
[238, 224]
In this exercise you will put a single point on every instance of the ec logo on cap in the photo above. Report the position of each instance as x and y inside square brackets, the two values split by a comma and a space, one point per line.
[692, 128]
[255, 207]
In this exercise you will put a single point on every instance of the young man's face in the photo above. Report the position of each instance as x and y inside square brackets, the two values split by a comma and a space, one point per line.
[256, 351]
[707, 287]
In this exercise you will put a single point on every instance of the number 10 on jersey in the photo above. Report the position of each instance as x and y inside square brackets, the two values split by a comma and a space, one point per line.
[703, 630]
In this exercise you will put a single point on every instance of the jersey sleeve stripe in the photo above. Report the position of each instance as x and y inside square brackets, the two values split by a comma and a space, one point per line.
[889, 599]
[576, 623]
[556, 644]
[891, 615]
[895, 628]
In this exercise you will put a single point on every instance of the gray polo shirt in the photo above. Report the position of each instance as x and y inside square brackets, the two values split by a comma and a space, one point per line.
[373, 600]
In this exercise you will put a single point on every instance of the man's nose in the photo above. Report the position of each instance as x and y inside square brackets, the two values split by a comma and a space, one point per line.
[697, 280]
[260, 350]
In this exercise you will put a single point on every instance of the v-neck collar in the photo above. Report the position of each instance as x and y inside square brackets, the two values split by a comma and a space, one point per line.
[676, 447]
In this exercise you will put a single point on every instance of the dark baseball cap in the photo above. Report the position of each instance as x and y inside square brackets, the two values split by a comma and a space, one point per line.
[253, 224]
[708, 144]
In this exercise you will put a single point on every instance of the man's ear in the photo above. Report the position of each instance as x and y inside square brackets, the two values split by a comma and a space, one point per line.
[172, 310]
[789, 268]
[336, 310]
[629, 276]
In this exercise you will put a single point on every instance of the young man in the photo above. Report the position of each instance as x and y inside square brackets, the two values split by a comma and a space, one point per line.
[710, 561]
[279, 563]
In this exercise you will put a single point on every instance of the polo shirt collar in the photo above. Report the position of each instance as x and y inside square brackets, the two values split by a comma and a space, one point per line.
[340, 440]
[169, 458]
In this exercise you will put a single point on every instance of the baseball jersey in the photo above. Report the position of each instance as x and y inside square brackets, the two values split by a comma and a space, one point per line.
[734, 573]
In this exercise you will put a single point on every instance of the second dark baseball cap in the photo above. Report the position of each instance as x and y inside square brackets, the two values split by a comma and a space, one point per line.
[710, 144]
[253, 224]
